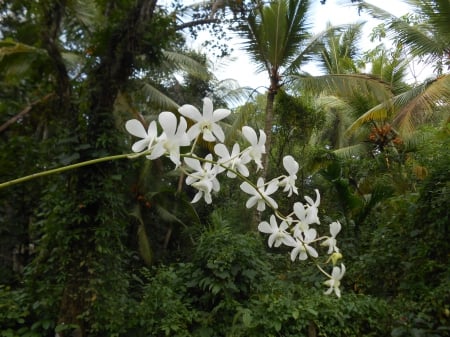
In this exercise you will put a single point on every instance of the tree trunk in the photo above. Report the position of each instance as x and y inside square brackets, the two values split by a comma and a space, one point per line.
[268, 130]
[94, 257]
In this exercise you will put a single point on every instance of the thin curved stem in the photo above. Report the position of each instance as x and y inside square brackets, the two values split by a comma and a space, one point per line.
[65, 168]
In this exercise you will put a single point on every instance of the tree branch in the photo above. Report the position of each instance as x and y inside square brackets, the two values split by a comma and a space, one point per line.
[15, 118]
[196, 23]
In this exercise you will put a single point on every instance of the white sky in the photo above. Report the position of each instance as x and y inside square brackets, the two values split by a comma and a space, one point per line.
[240, 68]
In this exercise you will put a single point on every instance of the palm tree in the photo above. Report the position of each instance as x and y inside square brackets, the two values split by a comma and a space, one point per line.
[340, 49]
[338, 56]
[426, 36]
[277, 39]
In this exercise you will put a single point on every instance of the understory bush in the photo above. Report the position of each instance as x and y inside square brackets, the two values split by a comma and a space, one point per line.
[231, 287]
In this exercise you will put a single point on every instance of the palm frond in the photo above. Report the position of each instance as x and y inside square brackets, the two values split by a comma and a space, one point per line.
[351, 151]
[17, 58]
[376, 12]
[185, 63]
[338, 118]
[229, 91]
[428, 36]
[85, 12]
[157, 98]
[408, 109]
[344, 85]
[381, 112]
[275, 32]
[144, 245]
[174, 208]
[338, 50]
[422, 101]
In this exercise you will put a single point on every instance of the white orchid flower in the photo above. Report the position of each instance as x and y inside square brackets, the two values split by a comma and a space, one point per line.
[335, 228]
[234, 161]
[302, 249]
[260, 196]
[172, 137]
[136, 128]
[278, 235]
[302, 225]
[288, 182]
[313, 210]
[257, 146]
[203, 178]
[335, 280]
[206, 123]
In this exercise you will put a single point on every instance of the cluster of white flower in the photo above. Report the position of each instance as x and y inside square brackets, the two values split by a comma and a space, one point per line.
[295, 230]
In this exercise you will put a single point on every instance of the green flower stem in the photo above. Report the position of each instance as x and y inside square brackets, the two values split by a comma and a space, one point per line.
[67, 168]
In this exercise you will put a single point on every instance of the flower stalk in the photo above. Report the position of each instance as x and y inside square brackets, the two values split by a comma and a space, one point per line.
[67, 168]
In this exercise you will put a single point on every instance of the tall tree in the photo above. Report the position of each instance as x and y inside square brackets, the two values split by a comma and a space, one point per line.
[277, 39]
[427, 36]
[72, 64]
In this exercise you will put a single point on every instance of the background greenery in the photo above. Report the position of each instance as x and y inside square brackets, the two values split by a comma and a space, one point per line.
[117, 249]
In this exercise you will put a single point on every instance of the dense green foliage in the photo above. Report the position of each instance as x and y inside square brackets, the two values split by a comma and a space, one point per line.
[117, 248]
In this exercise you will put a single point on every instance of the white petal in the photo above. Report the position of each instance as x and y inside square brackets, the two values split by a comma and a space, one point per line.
[284, 225]
[208, 136]
[168, 122]
[140, 145]
[181, 134]
[264, 227]
[136, 128]
[208, 198]
[242, 169]
[278, 241]
[251, 202]
[158, 151]
[207, 108]
[311, 202]
[250, 135]
[152, 129]
[220, 114]
[235, 151]
[218, 132]
[329, 290]
[215, 185]
[174, 156]
[272, 188]
[222, 151]
[271, 239]
[194, 131]
[335, 228]
[311, 251]
[299, 210]
[247, 188]
[335, 274]
[190, 112]
[272, 203]
[260, 183]
[303, 256]
[310, 235]
[190, 179]
[294, 253]
[262, 139]
[273, 223]
[261, 205]
[193, 164]
[197, 197]
[290, 165]
[337, 291]
[341, 275]
[289, 241]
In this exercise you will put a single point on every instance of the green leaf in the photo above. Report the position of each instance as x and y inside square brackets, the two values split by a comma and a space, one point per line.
[247, 318]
